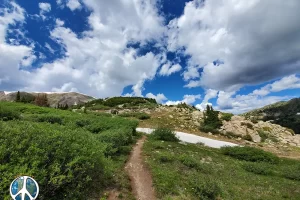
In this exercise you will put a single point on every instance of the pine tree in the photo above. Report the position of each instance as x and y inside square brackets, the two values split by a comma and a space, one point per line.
[211, 118]
[18, 97]
[23, 100]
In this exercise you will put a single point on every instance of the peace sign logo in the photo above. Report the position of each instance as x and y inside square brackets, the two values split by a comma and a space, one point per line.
[24, 188]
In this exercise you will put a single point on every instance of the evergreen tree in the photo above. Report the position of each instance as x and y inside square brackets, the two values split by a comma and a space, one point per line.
[18, 97]
[211, 120]
[23, 99]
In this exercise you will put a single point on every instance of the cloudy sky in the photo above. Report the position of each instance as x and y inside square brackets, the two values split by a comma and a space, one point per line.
[235, 54]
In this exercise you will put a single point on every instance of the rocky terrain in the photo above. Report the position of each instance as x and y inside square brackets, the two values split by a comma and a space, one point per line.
[241, 129]
[286, 114]
[69, 98]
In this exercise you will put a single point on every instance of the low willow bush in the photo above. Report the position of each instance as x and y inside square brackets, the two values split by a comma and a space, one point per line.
[7, 114]
[164, 134]
[292, 172]
[258, 168]
[52, 119]
[71, 155]
[116, 139]
[189, 161]
[65, 162]
[250, 154]
[206, 189]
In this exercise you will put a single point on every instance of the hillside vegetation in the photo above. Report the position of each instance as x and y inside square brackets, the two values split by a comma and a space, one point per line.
[192, 171]
[71, 155]
[54, 99]
[121, 102]
[283, 113]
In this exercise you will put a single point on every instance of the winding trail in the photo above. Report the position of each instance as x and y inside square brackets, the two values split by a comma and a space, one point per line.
[190, 138]
[141, 180]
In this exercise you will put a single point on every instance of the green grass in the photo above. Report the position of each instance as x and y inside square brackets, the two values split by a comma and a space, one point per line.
[71, 155]
[191, 172]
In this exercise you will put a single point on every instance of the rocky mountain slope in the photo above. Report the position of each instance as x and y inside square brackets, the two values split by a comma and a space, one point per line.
[185, 118]
[286, 114]
[69, 98]
[248, 129]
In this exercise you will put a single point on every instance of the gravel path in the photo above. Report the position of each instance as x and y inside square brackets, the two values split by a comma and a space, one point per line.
[189, 138]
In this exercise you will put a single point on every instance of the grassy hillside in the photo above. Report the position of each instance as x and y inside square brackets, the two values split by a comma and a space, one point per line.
[191, 172]
[121, 102]
[282, 113]
[71, 155]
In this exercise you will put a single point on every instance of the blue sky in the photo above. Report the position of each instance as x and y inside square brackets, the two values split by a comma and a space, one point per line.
[228, 53]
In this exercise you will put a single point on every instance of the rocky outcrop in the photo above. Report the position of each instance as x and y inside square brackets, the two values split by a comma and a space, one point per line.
[260, 132]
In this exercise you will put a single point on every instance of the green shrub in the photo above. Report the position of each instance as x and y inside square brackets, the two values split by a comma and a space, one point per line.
[185, 106]
[116, 139]
[66, 163]
[165, 157]
[141, 116]
[209, 128]
[227, 116]
[82, 123]
[258, 168]
[102, 114]
[292, 172]
[273, 138]
[189, 161]
[164, 134]
[268, 129]
[248, 138]
[125, 150]
[7, 114]
[99, 107]
[250, 154]
[263, 135]
[206, 189]
[52, 119]
[249, 125]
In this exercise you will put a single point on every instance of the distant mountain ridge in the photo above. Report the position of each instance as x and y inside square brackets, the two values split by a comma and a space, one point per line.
[284, 113]
[62, 98]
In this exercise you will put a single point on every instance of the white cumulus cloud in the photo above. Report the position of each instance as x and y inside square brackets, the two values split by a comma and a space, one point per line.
[44, 8]
[168, 69]
[160, 98]
[255, 40]
[74, 4]
[11, 77]
[188, 99]
[288, 82]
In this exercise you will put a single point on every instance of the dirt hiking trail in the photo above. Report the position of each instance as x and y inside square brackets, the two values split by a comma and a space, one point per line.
[141, 180]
